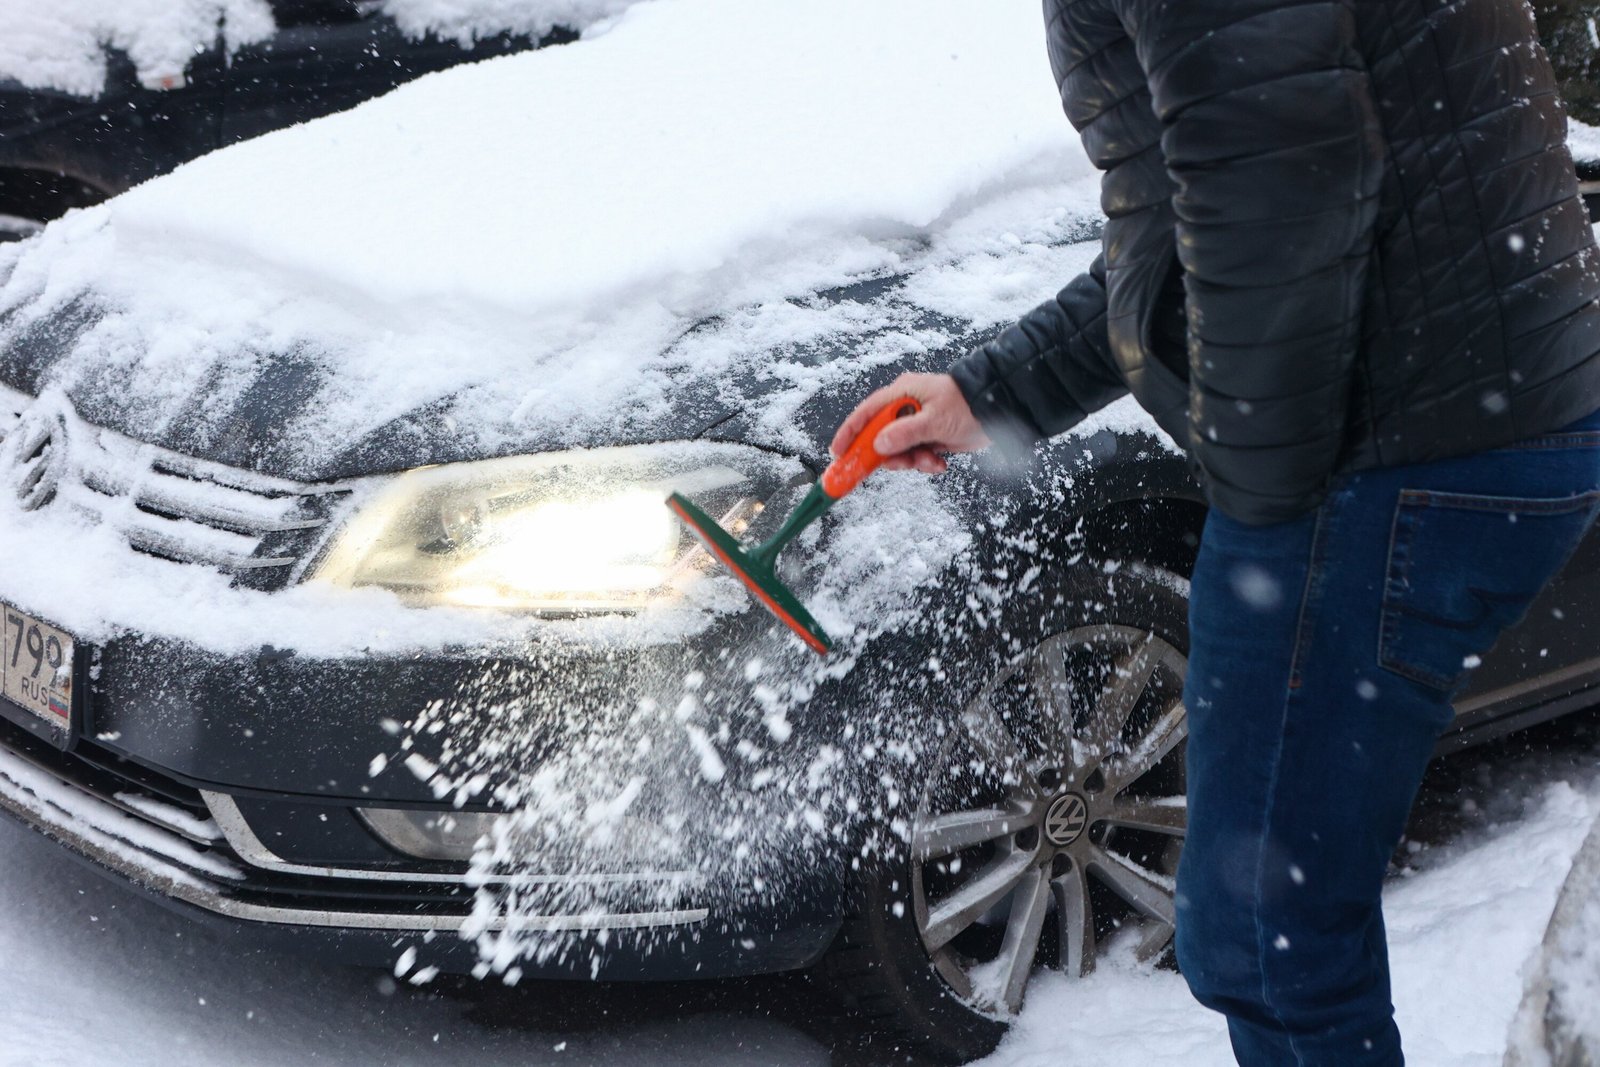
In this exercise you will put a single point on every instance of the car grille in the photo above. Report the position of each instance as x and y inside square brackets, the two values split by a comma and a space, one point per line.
[127, 800]
[252, 526]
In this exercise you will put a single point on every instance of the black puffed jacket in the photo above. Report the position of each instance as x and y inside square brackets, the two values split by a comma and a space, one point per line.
[1340, 234]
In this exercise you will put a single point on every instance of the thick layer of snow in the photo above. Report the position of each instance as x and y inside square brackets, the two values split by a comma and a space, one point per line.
[694, 134]
[469, 20]
[1583, 140]
[1576, 972]
[62, 44]
[1559, 1019]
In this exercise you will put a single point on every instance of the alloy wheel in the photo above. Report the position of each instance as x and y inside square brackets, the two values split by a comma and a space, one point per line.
[1055, 816]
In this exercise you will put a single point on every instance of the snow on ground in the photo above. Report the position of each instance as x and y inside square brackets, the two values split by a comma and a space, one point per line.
[1577, 976]
[93, 974]
[1487, 904]
[89, 967]
[1575, 968]
[62, 44]
[1560, 1013]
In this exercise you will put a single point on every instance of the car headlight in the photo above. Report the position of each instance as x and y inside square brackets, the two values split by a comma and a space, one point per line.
[565, 532]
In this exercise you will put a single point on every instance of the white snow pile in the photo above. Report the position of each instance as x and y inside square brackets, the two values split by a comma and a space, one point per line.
[469, 20]
[62, 44]
[698, 135]
[1579, 974]
[1576, 973]
[1583, 140]
[1559, 1021]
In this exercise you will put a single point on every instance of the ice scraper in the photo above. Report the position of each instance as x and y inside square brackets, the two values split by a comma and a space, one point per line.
[754, 565]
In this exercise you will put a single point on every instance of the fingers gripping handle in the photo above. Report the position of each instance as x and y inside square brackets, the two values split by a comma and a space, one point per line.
[862, 457]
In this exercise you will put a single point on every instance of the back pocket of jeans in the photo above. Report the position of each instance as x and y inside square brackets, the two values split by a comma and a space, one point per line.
[1462, 569]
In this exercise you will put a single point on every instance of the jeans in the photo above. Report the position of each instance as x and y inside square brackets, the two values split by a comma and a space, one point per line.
[1324, 655]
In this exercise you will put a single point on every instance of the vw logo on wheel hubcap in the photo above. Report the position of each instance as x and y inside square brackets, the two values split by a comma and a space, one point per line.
[1065, 820]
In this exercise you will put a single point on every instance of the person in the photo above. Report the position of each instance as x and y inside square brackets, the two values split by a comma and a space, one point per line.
[1345, 265]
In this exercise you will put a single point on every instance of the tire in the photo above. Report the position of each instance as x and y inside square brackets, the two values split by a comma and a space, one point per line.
[1049, 825]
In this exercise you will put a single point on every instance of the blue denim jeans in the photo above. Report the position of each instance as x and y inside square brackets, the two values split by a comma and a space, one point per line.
[1324, 654]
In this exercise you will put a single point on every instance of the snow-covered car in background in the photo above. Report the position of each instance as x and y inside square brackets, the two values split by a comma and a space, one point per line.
[341, 601]
[1584, 142]
[1569, 37]
[96, 97]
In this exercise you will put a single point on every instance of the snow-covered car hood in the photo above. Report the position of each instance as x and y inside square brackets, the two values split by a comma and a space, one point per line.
[626, 239]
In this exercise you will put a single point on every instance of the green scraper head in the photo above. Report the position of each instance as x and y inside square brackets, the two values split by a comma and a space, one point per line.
[754, 565]
[754, 569]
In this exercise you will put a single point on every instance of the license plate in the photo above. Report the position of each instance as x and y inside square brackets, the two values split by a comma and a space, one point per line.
[36, 669]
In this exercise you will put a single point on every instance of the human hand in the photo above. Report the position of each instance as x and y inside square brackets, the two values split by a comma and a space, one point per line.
[945, 424]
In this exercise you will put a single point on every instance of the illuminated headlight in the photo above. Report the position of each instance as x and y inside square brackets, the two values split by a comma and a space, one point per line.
[564, 533]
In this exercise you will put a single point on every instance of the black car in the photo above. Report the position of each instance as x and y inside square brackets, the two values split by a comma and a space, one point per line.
[646, 779]
[59, 150]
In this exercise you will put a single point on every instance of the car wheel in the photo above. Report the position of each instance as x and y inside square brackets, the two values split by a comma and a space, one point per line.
[15, 227]
[1048, 827]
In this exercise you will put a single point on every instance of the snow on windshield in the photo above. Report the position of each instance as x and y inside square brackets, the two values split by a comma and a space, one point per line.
[62, 44]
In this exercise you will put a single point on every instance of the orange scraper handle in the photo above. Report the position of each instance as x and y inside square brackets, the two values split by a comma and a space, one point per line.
[863, 457]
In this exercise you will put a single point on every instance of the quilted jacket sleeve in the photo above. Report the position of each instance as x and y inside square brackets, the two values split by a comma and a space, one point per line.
[1272, 137]
[1044, 374]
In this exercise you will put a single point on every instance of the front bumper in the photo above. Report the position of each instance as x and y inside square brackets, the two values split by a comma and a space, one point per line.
[227, 787]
